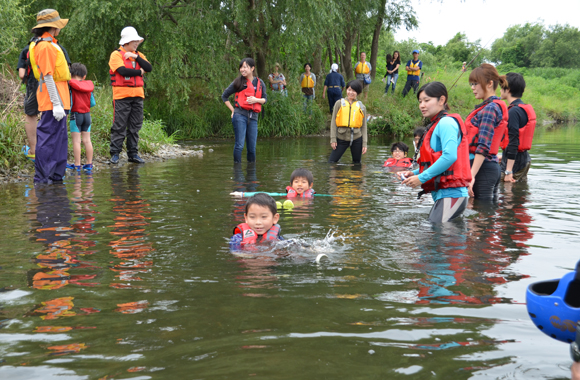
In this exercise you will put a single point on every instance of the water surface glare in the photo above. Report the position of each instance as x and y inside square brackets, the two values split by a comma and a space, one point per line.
[128, 274]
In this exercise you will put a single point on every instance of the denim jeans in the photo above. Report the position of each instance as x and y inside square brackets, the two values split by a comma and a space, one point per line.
[245, 129]
[308, 102]
[394, 77]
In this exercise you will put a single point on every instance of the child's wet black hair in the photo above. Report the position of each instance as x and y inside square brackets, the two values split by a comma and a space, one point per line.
[401, 145]
[302, 173]
[78, 70]
[264, 200]
[419, 131]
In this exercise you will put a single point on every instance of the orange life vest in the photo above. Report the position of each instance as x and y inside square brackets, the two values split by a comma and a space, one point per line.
[527, 131]
[249, 236]
[241, 100]
[459, 173]
[403, 162]
[291, 193]
[499, 133]
[118, 80]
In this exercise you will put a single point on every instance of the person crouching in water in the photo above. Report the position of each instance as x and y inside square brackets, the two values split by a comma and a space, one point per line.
[516, 161]
[348, 125]
[301, 181]
[486, 128]
[444, 156]
[399, 159]
[261, 222]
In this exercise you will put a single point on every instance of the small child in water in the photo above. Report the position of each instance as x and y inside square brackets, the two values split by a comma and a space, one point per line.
[301, 182]
[399, 159]
[261, 222]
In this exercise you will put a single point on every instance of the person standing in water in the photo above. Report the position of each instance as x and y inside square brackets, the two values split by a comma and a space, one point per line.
[250, 94]
[486, 128]
[444, 156]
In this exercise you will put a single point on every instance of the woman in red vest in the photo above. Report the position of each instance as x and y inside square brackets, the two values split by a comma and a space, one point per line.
[444, 156]
[486, 129]
[250, 94]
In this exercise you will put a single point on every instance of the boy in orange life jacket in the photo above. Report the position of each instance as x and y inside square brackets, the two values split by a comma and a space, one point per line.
[399, 150]
[261, 218]
[301, 181]
[127, 68]
[516, 160]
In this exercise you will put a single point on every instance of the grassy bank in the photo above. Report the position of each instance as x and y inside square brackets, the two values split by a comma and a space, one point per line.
[13, 136]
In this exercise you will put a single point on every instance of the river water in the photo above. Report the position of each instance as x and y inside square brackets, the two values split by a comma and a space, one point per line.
[128, 274]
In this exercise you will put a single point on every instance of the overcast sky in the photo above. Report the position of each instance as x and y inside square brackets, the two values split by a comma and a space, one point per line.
[485, 19]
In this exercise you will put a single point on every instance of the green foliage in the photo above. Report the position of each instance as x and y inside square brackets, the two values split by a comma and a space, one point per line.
[12, 31]
[285, 116]
[12, 138]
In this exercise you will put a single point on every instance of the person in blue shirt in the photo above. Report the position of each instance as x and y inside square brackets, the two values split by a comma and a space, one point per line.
[444, 156]
[413, 68]
[334, 82]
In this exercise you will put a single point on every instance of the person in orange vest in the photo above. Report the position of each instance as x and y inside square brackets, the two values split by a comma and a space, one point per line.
[516, 161]
[362, 71]
[486, 129]
[50, 67]
[127, 69]
[250, 95]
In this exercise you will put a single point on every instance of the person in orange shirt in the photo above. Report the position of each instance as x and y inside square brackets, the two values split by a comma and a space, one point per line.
[51, 69]
[127, 67]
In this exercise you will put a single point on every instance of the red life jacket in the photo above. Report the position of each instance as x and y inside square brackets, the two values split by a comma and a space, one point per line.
[499, 133]
[459, 173]
[406, 162]
[249, 236]
[293, 194]
[241, 100]
[120, 81]
[527, 131]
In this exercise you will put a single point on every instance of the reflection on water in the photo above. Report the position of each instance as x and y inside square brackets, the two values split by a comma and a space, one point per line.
[128, 273]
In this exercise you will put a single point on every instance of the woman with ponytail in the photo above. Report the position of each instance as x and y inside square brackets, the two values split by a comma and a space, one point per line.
[486, 129]
[250, 94]
[444, 158]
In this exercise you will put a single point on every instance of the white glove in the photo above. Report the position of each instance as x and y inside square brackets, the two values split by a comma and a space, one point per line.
[58, 112]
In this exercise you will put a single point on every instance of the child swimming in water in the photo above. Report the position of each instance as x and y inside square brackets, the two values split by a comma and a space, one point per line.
[399, 150]
[261, 223]
[301, 182]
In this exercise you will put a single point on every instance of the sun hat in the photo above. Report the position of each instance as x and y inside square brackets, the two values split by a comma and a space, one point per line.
[129, 34]
[415, 51]
[49, 18]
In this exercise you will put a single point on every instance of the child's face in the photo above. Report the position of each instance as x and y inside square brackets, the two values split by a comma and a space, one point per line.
[398, 154]
[417, 138]
[260, 218]
[300, 184]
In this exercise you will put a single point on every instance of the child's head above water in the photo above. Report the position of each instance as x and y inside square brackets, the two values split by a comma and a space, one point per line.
[261, 213]
[78, 71]
[301, 180]
[399, 150]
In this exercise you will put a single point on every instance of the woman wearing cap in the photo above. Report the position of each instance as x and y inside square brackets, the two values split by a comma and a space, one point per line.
[334, 82]
[51, 69]
[127, 67]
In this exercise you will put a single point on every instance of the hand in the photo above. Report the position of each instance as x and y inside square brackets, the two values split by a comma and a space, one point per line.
[130, 55]
[412, 181]
[323, 95]
[383, 80]
[252, 100]
[509, 178]
[470, 189]
[575, 371]
[232, 115]
[405, 174]
[142, 71]
[333, 145]
[364, 150]
[58, 113]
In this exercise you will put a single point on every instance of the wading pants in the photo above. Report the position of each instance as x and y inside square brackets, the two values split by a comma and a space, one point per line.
[127, 122]
[51, 149]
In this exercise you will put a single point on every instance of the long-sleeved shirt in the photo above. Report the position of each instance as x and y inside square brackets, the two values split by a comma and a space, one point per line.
[343, 133]
[487, 120]
[230, 90]
[445, 139]
[518, 118]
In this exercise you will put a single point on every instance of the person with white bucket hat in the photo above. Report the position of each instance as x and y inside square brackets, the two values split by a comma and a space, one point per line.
[127, 68]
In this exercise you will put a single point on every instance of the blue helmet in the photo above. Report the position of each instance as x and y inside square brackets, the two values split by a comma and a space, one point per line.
[554, 306]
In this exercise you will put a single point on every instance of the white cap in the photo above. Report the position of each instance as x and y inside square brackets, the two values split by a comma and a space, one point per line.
[334, 67]
[129, 34]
